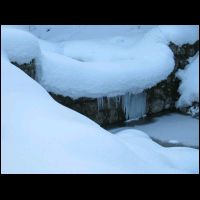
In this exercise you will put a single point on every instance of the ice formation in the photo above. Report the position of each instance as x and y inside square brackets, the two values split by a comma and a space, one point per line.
[134, 105]
[100, 103]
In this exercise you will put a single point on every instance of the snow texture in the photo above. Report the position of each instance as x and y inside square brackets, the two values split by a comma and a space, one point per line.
[49, 138]
[107, 71]
[60, 33]
[111, 63]
[189, 87]
[38, 135]
[41, 136]
[112, 66]
[20, 46]
[154, 153]
[181, 34]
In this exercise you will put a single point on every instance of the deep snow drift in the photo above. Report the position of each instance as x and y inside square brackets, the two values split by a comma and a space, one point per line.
[41, 136]
[20, 46]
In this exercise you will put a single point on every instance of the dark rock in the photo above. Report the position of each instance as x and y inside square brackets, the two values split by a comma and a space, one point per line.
[28, 68]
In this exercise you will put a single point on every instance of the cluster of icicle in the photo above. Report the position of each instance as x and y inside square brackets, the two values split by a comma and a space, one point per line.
[133, 105]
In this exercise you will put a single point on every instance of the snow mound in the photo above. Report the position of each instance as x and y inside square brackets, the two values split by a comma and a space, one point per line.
[20, 46]
[21, 27]
[106, 69]
[189, 87]
[179, 157]
[181, 34]
[116, 64]
[69, 77]
[42, 136]
[59, 33]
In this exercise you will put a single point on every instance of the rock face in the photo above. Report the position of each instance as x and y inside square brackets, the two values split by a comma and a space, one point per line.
[28, 68]
[164, 95]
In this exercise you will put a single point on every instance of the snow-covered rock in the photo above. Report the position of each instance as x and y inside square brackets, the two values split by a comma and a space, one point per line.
[112, 70]
[20, 46]
[41, 136]
[189, 87]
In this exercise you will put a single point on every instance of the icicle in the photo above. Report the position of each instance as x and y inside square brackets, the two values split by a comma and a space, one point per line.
[100, 103]
[108, 102]
[134, 105]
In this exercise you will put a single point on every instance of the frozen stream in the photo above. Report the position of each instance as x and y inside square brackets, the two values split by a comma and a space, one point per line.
[171, 128]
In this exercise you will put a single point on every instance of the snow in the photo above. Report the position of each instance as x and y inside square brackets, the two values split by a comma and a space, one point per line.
[38, 135]
[42, 136]
[154, 153]
[194, 111]
[59, 33]
[189, 87]
[111, 63]
[170, 127]
[21, 27]
[113, 74]
[181, 34]
[20, 46]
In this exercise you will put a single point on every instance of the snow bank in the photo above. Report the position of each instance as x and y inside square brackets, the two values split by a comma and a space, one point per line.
[189, 87]
[20, 46]
[21, 27]
[59, 33]
[179, 157]
[68, 77]
[114, 65]
[102, 61]
[181, 34]
[42, 136]
[106, 70]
